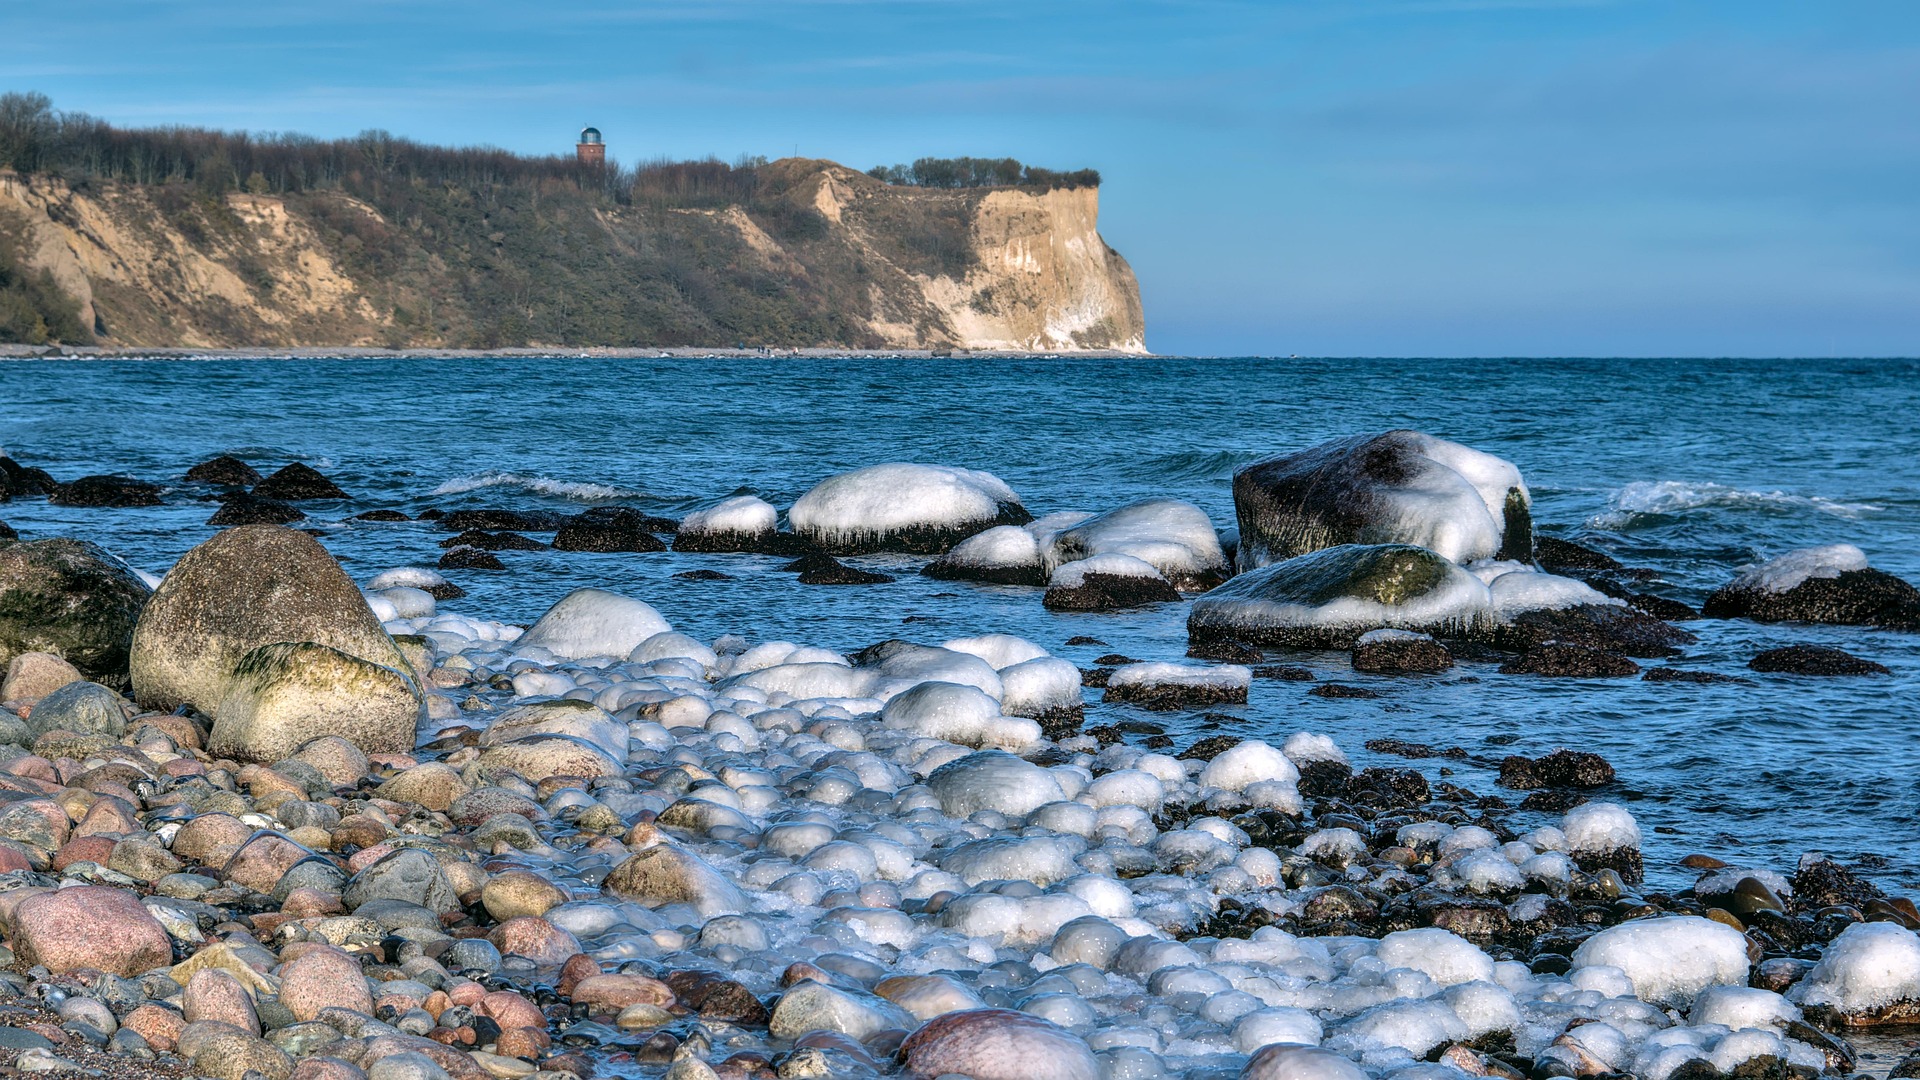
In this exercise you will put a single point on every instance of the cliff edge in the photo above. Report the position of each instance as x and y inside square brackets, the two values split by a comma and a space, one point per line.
[803, 253]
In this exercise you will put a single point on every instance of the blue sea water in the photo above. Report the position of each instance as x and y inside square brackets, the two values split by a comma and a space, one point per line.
[1688, 467]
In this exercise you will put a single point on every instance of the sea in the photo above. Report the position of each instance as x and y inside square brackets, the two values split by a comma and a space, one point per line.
[1690, 468]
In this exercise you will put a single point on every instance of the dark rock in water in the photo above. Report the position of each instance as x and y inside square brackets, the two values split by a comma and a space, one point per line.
[1169, 696]
[224, 470]
[1209, 748]
[1821, 883]
[1337, 691]
[1560, 769]
[1855, 598]
[469, 558]
[1660, 607]
[298, 481]
[7, 533]
[1284, 673]
[1814, 660]
[1109, 592]
[1571, 661]
[1402, 656]
[431, 513]
[486, 541]
[21, 481]
[444, 590]
[1356, 491]
[1095, 678]
[1114, 659]
[702, 575]
[612, 529]
[510, 520]
[817, 568]
[245, 509]
[944, 569]
[1553, 800]
[382, 515]
[1325, 779]
[1686, 675]
[1225, 652]
[1082, 639]
[1389, 789]
[72, 599]
[1557, 556]
[94, 491]
[1603, 627]
[1417, 751]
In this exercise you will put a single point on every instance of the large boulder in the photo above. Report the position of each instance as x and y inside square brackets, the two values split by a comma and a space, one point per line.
[244, 588]
[284, 695]
[1400, 487]
[90, 927]
[1329, 598]
[1174, 537]
[85, 708]
[924, 509]
[1831, 584]
[69, 598]
[742, 523]
[593, 622]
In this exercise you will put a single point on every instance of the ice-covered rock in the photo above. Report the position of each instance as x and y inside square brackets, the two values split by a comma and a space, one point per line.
[1045, 686]
[560, 716]
[431, 582]
[1106, 582]
[1286, 1061]
[1603, 835]
[903, 507]
[1002, 555]
[1870, 974]
[666, 873]
[901, 665]
[1248, 762]
[1736, 1007]
[1401, 487]
[1175, 538]
[1179, 686]
[1446, 958]
[1330, 597]
[741, 523]
[1831, 584]
[993, 780]
[810, 1006]
[1001, 651]
[592, 623]
[1669, 959]
[957, 714]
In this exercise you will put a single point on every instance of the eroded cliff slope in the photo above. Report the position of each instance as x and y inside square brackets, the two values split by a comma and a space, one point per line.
[810, 254]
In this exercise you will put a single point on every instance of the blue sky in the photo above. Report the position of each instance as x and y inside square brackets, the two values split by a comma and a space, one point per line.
[1321, 177]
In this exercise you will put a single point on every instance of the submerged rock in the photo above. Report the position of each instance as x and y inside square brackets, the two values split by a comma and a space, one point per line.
[100, 491]
[1571, 661]
[470, 558]
[245, 509]
[1831, 584]
[816, 568]
[510, 520]
[1400, 652]
[1814, 660]
[1560, 769]
[921, 509]
[72, 599]
[486, 541]
[1164, 687]
[611, 529]
[1400, 487]
[249, 586]
[224, 470]
[297, 481]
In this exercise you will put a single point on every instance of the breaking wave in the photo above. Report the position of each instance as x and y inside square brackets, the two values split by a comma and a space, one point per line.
[539, 485]
[1673, 498]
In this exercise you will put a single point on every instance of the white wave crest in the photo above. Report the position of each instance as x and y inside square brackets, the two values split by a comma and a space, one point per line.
[1671, 498]
[538, 485]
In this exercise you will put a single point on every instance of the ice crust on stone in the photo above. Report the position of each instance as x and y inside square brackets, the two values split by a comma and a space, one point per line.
[1596, 828]
[1000, 651]
[1247, 762]
[411, 577]
[747, 514]
[1516, 588]
[1445, 957]
[883, 499]
[1669, 959]
[1226, 676]
[1074, 574]
[1305, 595]
[1786, 572]
[1003, 547]
[1176, 538]
[593, 623]
[1040, 687]
[1869, 966]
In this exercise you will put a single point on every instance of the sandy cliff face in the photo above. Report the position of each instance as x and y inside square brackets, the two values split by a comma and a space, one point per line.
[870, 266]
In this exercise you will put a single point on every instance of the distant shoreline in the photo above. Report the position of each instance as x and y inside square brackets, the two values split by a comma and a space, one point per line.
[362, 352]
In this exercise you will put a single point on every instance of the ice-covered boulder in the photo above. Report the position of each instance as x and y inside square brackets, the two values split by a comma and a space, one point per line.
[741, 523]
[1249, 761]
[247, 587]
[903, 507]
[1604, 836]
[1330, 597]
[281, 696]
[1870, 974]
[1669, 959]
[1002, 555]
[1164, 687]
[992, 780]
[431, 582]
[900, 665]
[1106, 582]
[1175, 538]
[71, 599]
[1286, 1061]
[594, 622]
[1045, 686]
[958, 714]
[1446, 958]
[1401, 487]
[1831, 584]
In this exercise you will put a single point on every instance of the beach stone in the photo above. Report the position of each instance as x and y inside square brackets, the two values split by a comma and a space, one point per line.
[512, 893]
[106, 491]
[408, 874]
[561, 716]
[1287, 1061]
[33, 675]
[85, 708]
[248, 587]
[482, 803]
[263, 859]
[928, 996]
[1863, 597]
[432, 784]
[297, 481]
[815, 1006]
[224, 470]
[142, 859]
[340, 761]
[211, 839]
[669, 874]
[593, 622]
[71, 599]
[284, 695]
[90, 926]
[161, 1027]
[716, 997]
[620, 991]
[323, 978]
[543, 756]
[536, 939]
[225, 1052]
[243, 509]
[456, 1062]
[214, 994]
[1814, 660]
[996, 1044]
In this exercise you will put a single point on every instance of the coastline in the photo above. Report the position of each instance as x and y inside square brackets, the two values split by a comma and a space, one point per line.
[366, 352]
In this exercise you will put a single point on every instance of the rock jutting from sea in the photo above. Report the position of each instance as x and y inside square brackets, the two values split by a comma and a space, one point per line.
[610, 848]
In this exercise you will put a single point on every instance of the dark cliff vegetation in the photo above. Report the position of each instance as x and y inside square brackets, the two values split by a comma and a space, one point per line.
[969, 172]
[478, 247]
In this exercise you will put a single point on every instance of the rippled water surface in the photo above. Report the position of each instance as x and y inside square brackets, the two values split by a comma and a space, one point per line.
[1688, 467]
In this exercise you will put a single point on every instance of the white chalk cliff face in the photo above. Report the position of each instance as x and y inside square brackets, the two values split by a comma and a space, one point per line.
[867, 265]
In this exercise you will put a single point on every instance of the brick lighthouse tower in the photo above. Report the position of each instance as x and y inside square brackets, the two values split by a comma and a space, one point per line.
[590, 150]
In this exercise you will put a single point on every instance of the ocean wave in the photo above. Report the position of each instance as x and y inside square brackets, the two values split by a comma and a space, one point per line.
[578, 491]
[1188, 465]
[1674, 498]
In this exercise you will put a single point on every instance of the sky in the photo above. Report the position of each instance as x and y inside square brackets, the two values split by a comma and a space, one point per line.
[1311, 177]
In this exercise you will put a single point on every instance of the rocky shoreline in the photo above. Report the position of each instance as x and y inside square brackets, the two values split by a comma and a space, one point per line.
[268, 820]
